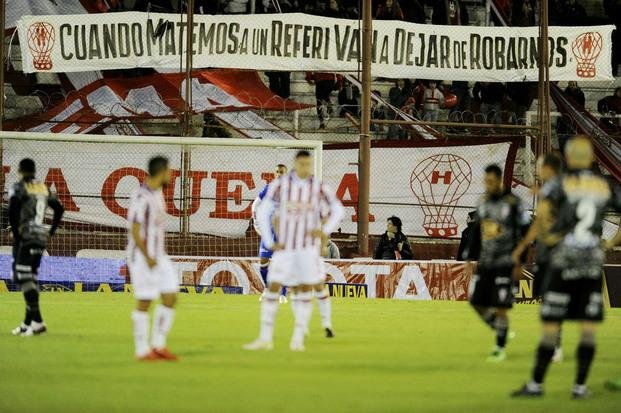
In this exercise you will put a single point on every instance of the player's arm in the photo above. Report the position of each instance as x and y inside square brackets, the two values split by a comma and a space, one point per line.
[405, 249]
[528, 232]
[335, 253]
[14, 210]
[264, 218]
[616, 204]
[544, 217]
[58, 209]
[137, 212]
[255, 206]
[336, 212]
[529, 238]
[141, 245]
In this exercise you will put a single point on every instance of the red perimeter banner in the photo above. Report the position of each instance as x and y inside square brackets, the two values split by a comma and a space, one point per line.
[409, 280]
[405, 280]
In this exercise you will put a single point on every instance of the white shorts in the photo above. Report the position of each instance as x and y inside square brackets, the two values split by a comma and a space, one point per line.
[150, 283]
[293, 268]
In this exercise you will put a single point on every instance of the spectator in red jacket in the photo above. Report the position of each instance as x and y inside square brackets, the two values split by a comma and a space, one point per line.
[389, 10]
[324, 83]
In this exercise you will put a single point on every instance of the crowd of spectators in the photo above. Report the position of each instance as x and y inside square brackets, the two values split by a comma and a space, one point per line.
[484, 101]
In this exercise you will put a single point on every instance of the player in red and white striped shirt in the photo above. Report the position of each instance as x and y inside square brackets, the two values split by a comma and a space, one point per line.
[305, 212]
[151, 270]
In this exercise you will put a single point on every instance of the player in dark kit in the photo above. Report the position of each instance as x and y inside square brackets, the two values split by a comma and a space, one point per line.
[500, 225]
[28, 200]
[550, 168]
[574, 290]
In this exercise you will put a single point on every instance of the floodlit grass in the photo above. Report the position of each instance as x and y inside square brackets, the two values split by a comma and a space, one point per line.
[388, 356]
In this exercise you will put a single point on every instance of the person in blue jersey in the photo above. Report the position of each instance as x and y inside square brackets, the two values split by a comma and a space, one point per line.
[264, 253]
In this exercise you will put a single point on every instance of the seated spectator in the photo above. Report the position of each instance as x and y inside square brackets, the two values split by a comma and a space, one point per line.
[521, 95]
[280, 83]
[414, 11]
[269, 6]
[491, 95]
[235, 6]
[565, 127]
[349, 99]
[331, 251]
[433, 99]
[610, 104]
[351, 9]
[389, 10]
[567, 13]
[523, 13]
[334, 10]
[393, 244]
[451, 12]
[461, 90]
[378, 112]
[397, 96]
[324, 83]
[466, 236]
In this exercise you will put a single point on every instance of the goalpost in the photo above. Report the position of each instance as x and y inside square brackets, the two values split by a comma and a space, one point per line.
[208, 201]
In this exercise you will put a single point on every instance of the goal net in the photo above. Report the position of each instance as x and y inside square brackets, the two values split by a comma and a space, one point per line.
[208, 200]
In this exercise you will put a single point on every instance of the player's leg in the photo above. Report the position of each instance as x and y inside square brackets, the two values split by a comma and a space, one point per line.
[540, 285]
[554, 310]
[26, 268]
[309, 272]
[584, 354]
[325, 308]
[264, 264]
[487, 315]
[164, 314]
[140, 321]
[27, 319]
[303, 310]
[269, 309]
[502, 299]
[163, 318]
[146, 289]
[543, 357]
[479, 293]
[501, 326]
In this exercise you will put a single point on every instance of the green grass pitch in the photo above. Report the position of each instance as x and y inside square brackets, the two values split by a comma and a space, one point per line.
[388, 356]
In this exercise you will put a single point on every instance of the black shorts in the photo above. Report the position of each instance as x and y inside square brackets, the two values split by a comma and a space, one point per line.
[540, 280]
[576, 299]
[26, 262]
[492, 287]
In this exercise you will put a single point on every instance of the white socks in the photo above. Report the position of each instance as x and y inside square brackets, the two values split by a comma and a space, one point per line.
[302, 311]
[325, 308]
[140, 320]
[162, 322]
[269, 308]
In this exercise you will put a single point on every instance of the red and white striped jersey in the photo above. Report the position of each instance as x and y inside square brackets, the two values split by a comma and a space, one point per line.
[299, 206]
[147, 207]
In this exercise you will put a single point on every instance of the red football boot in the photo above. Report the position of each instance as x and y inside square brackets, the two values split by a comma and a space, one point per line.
[165, 354]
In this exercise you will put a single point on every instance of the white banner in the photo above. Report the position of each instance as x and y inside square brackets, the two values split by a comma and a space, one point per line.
[298, 42]
[430, 188]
